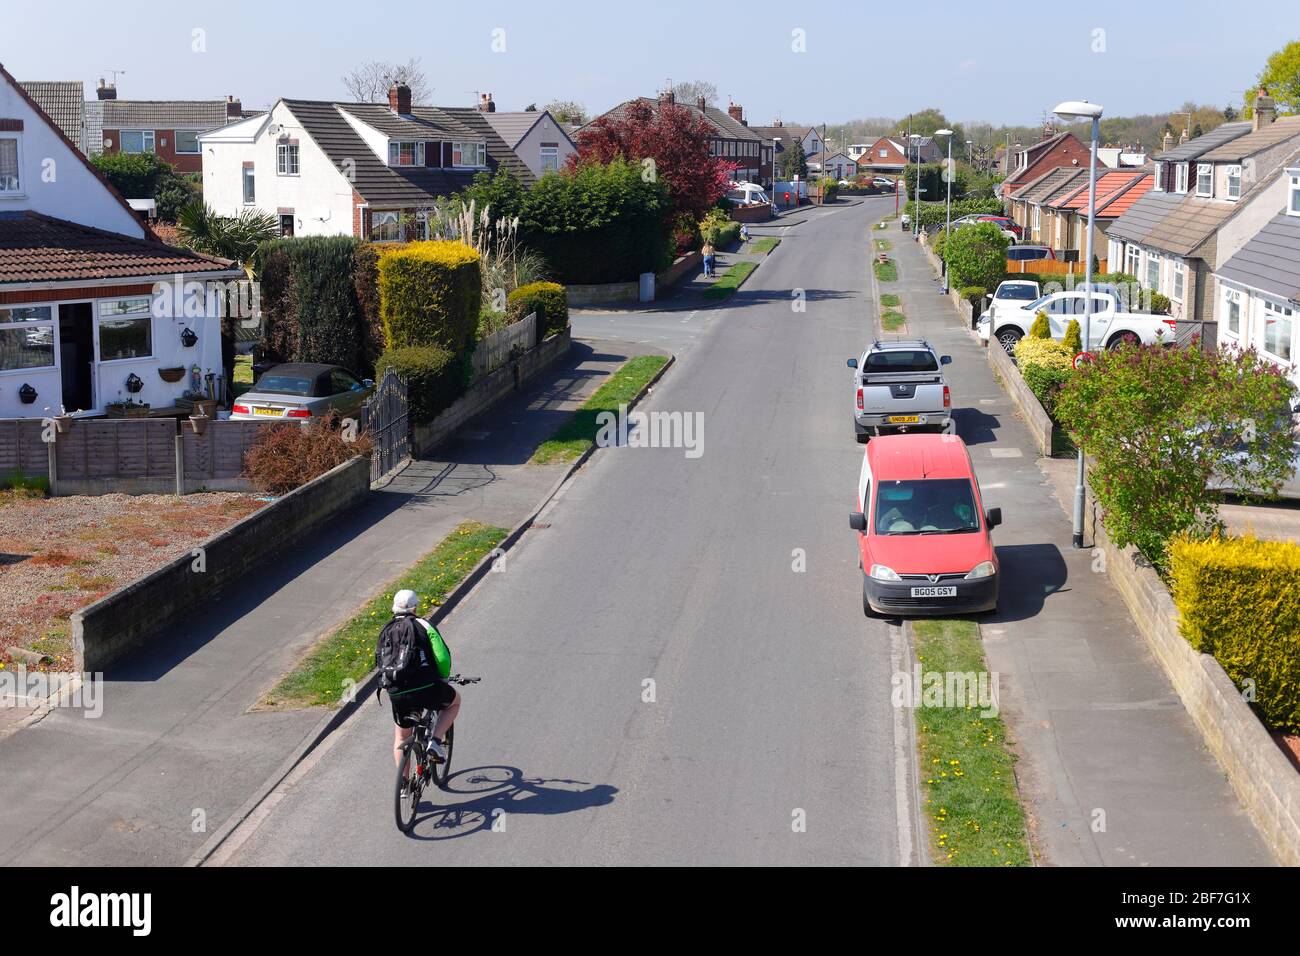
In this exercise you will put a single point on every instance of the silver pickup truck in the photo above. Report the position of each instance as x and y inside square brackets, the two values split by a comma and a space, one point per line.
[900, 385]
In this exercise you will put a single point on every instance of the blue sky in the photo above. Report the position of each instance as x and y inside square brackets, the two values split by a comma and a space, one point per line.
[995, 61]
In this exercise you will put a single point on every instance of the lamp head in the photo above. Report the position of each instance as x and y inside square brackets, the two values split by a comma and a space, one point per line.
[1078, 110]
[943, 132]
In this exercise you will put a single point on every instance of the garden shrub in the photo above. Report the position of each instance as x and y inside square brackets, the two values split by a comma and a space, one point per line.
[284, 457]
[1041, 328]
[548, 300]
[434, 378]
[1073, 338]
[1160, 304]
[974, 294]
[329, 326]
[1239, 600]
[718, 228]
[430, 293]
[976, 255]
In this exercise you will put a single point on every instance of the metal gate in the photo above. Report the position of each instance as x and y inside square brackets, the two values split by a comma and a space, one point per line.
[386, 419]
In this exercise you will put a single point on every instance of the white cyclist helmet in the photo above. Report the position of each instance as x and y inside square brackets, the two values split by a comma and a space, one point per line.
[405, 601]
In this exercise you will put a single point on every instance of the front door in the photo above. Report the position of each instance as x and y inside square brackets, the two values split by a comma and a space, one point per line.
[77, 355]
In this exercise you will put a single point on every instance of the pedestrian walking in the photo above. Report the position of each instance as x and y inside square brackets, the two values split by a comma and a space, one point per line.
[707, 251]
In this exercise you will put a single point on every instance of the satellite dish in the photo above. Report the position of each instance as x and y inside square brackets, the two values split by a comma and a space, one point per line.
[275, 129]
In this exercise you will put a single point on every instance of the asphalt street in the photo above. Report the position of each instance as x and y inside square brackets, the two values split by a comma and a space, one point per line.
[675, 664]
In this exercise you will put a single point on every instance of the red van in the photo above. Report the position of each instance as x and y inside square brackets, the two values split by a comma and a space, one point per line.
[923, 533]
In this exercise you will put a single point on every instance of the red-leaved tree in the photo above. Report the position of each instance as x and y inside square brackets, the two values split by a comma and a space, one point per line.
[676, 139]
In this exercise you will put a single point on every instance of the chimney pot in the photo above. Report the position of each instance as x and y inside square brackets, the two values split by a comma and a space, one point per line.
[106, 91]
[1265, 109]
[700, 102]
[399, 98]
[735, 112]
[485, 104]
[234, 108]
[667, 98]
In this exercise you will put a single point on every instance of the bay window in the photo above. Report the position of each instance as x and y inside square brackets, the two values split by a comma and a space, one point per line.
[385, 227]
[10, 177]
[1153, 272]
[1180, 281]
[1277, 329]
[26, 337]
[1133, 259]
[125, 329]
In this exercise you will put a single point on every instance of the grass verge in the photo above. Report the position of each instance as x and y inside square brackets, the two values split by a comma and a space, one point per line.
[892, 321]
[765, 245]
[971, 798]
[349, 653]
[886, 271]
[730, 280]
[883, 245]
[576, 435]
[890, 301]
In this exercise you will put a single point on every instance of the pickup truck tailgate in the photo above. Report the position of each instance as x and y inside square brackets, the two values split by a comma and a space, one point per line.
[901, 394]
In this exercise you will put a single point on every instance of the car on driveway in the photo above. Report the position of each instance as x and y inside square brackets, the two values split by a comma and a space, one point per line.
[1030, 253]
[1010, 228]
[1112, 325]
[924, 542]
[296, 391]
[900, 386]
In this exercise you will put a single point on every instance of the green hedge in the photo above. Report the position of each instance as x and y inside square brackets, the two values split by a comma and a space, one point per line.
[430, 293]
[309, 303]
[434, 378]
[547, 299]
[1239, 600]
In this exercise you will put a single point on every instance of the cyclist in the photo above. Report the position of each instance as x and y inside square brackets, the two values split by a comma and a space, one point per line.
[437, 695]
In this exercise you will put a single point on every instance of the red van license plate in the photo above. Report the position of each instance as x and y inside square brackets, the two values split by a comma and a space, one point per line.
[950, 591]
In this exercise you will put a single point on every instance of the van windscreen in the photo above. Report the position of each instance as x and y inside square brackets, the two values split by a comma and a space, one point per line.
[901, 360]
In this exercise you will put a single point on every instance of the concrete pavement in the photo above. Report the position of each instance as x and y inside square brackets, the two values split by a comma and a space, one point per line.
[177, 749]
[1112, 767]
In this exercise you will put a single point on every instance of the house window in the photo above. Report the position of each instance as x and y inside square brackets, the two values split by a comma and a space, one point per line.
[1232, 311]
[10, 179]
[286, 159]
[1037, 220]
[1158, 185]
[1153, 272]
[406, 154]
[884, 153]
[250, 191]
[125, 329]
[286, 225]
[1180, 279]
[136, 140]
[1234, 182]
[1277, 330]
[1132, 260]
[385, 227]
[1204, 180]
[26, 337]
[550, 158]
[187, 142]
[1293, 205]
[468, 154]
[1180, 178]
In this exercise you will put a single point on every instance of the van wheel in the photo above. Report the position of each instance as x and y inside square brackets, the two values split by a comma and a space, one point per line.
[866, 604]
[1008, 338]
[862, 435]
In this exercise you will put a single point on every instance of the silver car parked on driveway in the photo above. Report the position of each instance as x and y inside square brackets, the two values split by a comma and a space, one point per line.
[297, 391]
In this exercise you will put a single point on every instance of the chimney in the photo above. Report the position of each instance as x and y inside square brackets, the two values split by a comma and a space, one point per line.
[1182, 137]
[234, 108]
[1265, 109]
[700, 103]
[736, 113]
[106, 91]
[399, 98]
[485, 104]
[667, 98]
[1167, 143]
[776, 122]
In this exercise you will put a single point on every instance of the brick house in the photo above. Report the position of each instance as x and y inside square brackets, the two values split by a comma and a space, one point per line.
[168, 128]
[1062, 150]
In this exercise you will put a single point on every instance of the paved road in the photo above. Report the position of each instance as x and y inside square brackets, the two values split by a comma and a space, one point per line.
[771, 689]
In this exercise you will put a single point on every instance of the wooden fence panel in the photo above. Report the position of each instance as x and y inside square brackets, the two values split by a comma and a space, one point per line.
[21, 449]
[113, 448]
[219, 452]
[500, 347]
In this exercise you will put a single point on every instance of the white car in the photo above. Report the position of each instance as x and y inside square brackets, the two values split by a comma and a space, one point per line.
[1111, 326]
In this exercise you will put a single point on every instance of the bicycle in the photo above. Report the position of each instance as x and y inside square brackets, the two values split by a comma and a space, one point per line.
[419, 766]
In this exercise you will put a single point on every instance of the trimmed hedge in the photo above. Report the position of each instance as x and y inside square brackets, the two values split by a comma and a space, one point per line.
[434, 378]
[1239, 600]
[430, 293]
[1045, 365]
[308, 301]
[547, 299]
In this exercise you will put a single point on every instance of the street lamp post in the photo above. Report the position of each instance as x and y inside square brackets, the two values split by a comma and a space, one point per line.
[915, 142]
[1083, 110]
[776, 142]
[947, 174]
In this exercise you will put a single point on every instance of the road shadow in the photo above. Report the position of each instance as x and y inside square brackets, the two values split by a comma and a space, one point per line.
[976, 427]
[1037, 570]
[495, 793]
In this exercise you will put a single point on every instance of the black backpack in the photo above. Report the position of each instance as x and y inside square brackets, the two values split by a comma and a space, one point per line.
[402, 658]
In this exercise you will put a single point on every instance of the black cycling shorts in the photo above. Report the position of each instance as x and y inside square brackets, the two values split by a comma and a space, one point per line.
[408, 707]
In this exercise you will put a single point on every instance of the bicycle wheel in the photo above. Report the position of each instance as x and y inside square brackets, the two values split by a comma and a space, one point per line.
[409, 787]
[442, 770]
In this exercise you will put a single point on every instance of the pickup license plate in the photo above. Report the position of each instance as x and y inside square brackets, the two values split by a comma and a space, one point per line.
[272, 412]
[903, 419]
[950, 591]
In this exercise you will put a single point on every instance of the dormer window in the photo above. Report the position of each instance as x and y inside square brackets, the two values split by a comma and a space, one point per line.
[10, 175]
[406, 154]
[468, 154]
[1180, 178]
[1158, 185]
[1293, 203]
[1204, 180]
[1233, 174]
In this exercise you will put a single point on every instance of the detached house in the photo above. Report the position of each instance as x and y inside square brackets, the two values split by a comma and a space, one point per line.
[891, 154]
[369, 170]
[93, 308]
[1177, 235]
[537, 138]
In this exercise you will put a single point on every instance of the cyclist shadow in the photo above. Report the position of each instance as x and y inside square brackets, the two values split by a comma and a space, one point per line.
[494, 793]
